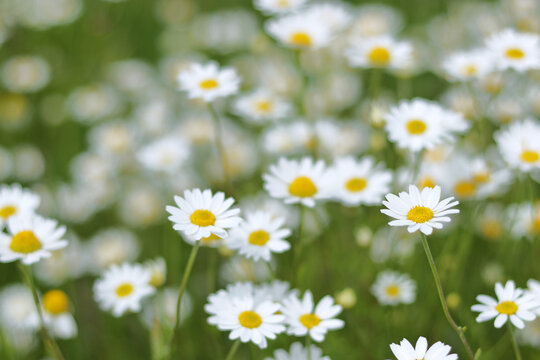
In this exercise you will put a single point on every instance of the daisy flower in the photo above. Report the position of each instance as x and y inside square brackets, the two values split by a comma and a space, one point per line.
[334, 15]
[16, 200]
[167, 155]
[514, 50]
[300, 31]
[437, 351]
[360, 181]
[58, 319]
[419, 210]
[272, 7]
[121, 288]
[511, 303]
[261, 106]
[468, 65]
[379, 52]
[302, 181]
[30, 238]
[208, 82]
[200, 214]
[299, 352]
[393, 288]
[304, 318]
[259, 236]
[519, 145]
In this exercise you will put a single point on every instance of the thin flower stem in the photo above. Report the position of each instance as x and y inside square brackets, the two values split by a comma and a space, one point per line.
[183, 285]
[218, 126]
[298, 244]
[459, 330]
[514, 342]
[49, 342]
[417, 161]
[231, 353]
[308, 346]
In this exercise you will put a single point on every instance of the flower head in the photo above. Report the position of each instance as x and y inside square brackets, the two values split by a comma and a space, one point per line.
[437, 351]
[208, 82]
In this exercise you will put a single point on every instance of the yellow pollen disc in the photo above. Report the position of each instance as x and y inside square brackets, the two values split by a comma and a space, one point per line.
[530, 156]
[420, 214]
[469, 70]
[481, 178]
[379, 56]
[250, 319]
[416, 127]
[7, 211]
[263, 106]
[55, 302]
[392, 290]
[427, 181]
[25, 242]
[210, 239]
[310, 320]
[356, 184]
[536, 225]
[259, 237]
[283, 3]
[465, 188]
[492, 229]
[515, 53]
[209, 84]
[202, 218]
[157, 279]
[302, 186]
[124, 289]
[507, 307]
[300, 39]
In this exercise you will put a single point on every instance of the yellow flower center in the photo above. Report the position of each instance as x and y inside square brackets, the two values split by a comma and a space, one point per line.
[310, 320]
[283, 4]
[157, 279]
[300, 39]
[515, 53]
[392, 290]
[356, 184]
[507, 307]
[259, 237]
[7, 211]
[379, 56]
[263, 106]
[210, 239]
[209, 84]
[530, 156]
[465, 188]
[55, 302]
[427, 181]
[250, 319]
[416, 127]
[302, 186]
[124, 289]
[536, 225]
[25, 242]
[481, 177]
[492, 229]
[469, 70]
[202, 218]
[420, 214]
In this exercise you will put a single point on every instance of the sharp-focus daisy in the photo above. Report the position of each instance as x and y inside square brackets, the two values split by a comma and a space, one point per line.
[379, 52]
[300, 31]
[302, 181]
[419, 210]
[58, 319]
[511, 302]
[393, 288]
[304, 318]
[519, 145]
[299, 352]
[122, 287]
[261, 106]
[200, 214]
[208, 82]
[437, 351]
[272, 7]
[30, 238]
[166, 155]
[15, 200]
[360, 181]
[469, 65]
[514, 50]
[259, 236]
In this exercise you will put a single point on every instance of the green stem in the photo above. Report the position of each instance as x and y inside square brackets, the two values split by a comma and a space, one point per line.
[417, 161]
[374, 84]
[308, 346]
[297, 245]
[218, 126]
[514, 342]
[231, 353]
[459, 330]
[183, 285]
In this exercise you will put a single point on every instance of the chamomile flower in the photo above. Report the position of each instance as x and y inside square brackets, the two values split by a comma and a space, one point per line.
[299, 352]
[158, 271]
[121, 288]
[208, 82]
[259, 236]
[437, 351]
[300, 31]
[30, 238]
[165, 155]
[514, 50]
[58, 319]
[393, 288]
[360, 181]
[200, 214]
[335, 15]
[468, 65]
[419, 210]
[261, 106]
[272, 7]
[15, 200]
[379, 52]
[304, 318]
[519, 145]
[511, 303]
[302, 181]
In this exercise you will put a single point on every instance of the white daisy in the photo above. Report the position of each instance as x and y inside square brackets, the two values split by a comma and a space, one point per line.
[208, 82]
[121, 288]
[514, 50]
[299, 352]
[58, 320]
[468, 65]
[360, 181]
[437, 351]
[16, 200]
[259, 236]
[299, 31]
[260, 106]
[200, 214]
[302, 181]
[304, 318]
[419, 210]
[167, 155]
[272, 7]
[511, 302]
[393, 288]
[335, 15]
[519, 145]
[379, 52]
[30, 238]
[158, 271]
